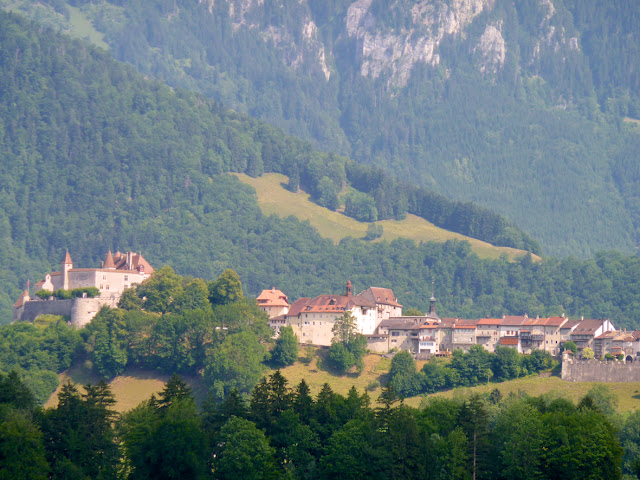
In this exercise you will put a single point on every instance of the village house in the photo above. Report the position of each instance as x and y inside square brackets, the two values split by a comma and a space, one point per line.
[488, 333]
[585, 331]
[313, 319]
[116, 273]
[464, 334]
[402, 333]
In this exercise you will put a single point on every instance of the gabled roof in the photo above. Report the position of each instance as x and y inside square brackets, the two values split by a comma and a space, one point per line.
[336, 303]
[555, 321]
[587, 327]
[469, 324]
[402, 323]
[514, 320]
[137, 261]
[569, 324]
[22, 300]
[379, 295]
[490, 321]
[448, 322]
[297, 307]
[611, 334]
[272, 298]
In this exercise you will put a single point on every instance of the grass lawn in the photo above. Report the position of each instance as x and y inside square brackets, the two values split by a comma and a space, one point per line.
[82, 27]
[130, 389]
[136, 385]
[274, 199]
[628, 393]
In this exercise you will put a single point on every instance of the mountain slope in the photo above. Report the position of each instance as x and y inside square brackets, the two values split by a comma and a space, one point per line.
[95, 156]
[517, 106]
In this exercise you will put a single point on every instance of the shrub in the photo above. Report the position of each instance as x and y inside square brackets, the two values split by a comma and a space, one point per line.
[44, 294]
[90, 291]
[373, 385]
[62, 294]
[374, 231]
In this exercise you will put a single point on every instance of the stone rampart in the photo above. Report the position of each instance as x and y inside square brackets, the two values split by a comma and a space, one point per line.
[579, 370]
[80, 311]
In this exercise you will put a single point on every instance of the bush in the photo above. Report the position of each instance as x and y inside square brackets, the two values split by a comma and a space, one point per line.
[374, 231]
[62, 294]
[361, 206]
[373, 385]
[286, 350]
[90, 291]
[44, 294]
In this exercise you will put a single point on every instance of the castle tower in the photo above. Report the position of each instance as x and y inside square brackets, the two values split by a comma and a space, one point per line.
[67, 265]
[109, 264]
[349, 289]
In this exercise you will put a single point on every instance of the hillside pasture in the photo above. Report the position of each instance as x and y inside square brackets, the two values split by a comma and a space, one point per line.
[274, 199]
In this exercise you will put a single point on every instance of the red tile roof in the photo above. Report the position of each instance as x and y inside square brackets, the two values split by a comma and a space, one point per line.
[587, 327]
[490, 321]
[272, 298]
[380, 295]
[297, 307]
[513, 320]
[108, 261]
[21, 301]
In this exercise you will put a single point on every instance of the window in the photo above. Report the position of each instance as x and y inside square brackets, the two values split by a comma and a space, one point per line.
[107, 287]
[101, 287]
[395, 334]
[314, 323]
[126, 278]
[104, 277]
[393, 341]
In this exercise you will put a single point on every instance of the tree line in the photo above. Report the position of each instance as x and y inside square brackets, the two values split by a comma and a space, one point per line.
[466, 369]
[286, 432]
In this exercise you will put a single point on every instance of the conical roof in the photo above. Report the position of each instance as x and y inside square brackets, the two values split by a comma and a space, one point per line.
[67, 259]
[108, 262]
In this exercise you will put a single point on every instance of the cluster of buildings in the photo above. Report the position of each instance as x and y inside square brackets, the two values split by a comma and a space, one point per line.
[378, 316]
[376, 311]
[117, 272]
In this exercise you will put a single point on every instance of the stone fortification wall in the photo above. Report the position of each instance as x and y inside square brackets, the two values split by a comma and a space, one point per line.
[80, 311]
[46, 307]
[578, 370]
[378, 344]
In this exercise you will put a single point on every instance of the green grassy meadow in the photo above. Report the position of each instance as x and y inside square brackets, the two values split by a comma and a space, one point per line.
[274, 199]
[135, 386]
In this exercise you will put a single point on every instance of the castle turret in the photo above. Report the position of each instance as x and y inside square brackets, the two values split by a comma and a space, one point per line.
[67, 265]
[108, 262]
[349, 291]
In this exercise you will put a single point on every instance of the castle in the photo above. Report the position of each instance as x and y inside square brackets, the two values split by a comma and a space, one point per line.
[116, 273]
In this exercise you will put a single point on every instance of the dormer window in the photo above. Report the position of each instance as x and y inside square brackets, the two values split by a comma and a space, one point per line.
[332, 301]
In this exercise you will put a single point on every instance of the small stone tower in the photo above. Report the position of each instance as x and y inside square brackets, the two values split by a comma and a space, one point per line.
[67, 265]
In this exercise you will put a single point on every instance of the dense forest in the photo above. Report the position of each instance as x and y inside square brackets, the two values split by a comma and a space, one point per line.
[95, 153]
[284, 432]
[97, 157]
[534, 131]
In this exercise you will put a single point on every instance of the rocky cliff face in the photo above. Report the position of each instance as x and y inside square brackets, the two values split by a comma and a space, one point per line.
[395, 52]
[391, 51]
[298, 43]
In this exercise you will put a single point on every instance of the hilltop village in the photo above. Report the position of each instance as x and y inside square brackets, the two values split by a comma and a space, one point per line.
[377, 313]
[378, 316]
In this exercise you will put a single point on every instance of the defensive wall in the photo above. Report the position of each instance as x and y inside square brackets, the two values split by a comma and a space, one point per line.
[580, 370]
[80, 311]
